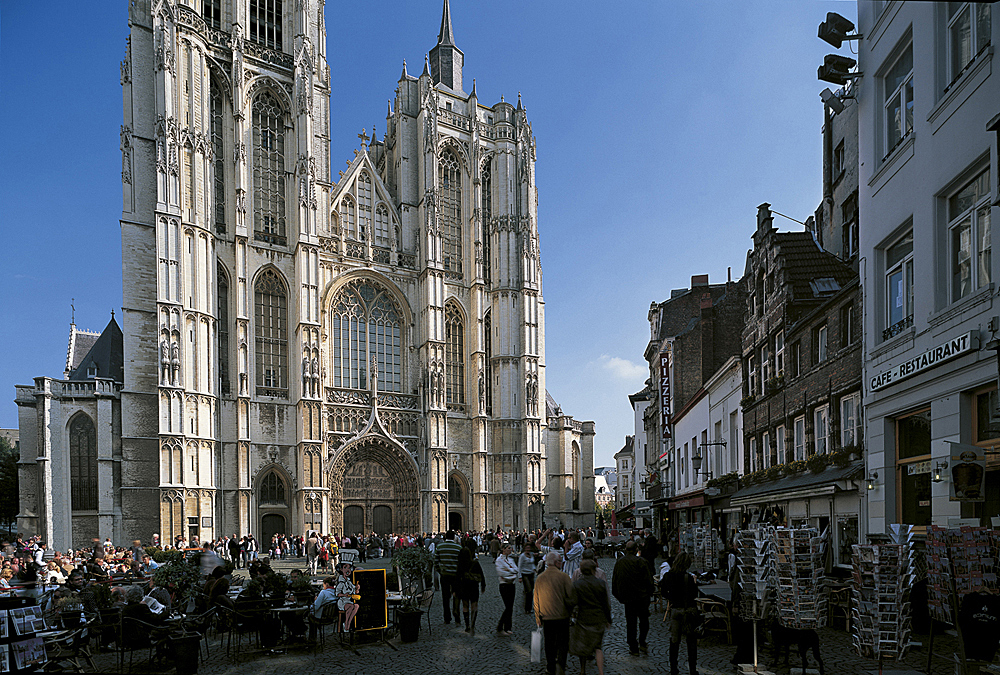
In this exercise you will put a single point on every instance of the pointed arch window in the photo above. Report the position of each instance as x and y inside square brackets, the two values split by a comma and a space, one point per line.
[576, 467]
[348, 218]
[366, 322]
[456, 492]
[272, 489]
[83, 463]
[268, 170]
[271, 315]
[382, 226]
[364, 187]
[486, 181]
[222, 329]
[454, 329]
[218, 165]
[450, 186]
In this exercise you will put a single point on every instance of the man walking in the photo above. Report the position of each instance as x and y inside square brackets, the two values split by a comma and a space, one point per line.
[632, 585]
[554, 603]
[234, 551]
[446, 560]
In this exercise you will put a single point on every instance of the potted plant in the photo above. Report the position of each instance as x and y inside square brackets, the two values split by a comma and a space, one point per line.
[818, 462]
[412, 564]
[70, 611]
[275, 588]
[179, 577]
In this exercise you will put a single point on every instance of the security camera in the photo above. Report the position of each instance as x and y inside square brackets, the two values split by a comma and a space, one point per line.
[832, 101]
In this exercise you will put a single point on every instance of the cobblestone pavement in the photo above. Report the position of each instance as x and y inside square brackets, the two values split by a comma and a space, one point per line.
[448, 649]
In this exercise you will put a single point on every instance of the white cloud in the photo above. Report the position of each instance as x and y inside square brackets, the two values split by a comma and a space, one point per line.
[623, 369]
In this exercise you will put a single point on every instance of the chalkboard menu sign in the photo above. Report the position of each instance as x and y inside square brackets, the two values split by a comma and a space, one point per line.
[372, 614]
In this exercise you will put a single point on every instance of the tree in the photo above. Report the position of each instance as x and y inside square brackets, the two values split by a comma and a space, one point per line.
[9, 504]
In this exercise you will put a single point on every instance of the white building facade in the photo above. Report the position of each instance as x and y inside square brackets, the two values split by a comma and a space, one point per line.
[928, 112]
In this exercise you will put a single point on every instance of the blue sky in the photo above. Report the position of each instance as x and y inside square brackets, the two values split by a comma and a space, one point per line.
[660, 128]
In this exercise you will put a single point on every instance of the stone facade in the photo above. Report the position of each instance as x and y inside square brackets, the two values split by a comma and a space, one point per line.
[360, 353]
[70, 442]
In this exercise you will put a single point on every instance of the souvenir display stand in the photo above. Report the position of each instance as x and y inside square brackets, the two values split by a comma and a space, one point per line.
[703, 544]
[799, 570]
[960, 561]
[756, 565]
[22, 649]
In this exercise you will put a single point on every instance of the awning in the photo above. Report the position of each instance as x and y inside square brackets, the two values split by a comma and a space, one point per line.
[800, 486]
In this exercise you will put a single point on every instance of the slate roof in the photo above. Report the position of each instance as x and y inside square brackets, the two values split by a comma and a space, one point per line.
[806, 261]
[550, 405]
[80, 342]
[106, 355]
[675, 323]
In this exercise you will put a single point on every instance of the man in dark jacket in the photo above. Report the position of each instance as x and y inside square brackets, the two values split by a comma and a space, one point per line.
[632, 585]
[234, 551]
[650, 551]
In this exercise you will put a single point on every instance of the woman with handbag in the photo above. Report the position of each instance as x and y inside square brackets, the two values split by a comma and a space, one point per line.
[470, 582]
[593, 616]
[679, 588]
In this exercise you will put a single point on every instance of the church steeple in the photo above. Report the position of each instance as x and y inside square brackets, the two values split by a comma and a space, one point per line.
[446, 59]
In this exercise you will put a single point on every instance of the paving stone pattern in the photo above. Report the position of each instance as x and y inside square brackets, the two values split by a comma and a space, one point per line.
[448, 649]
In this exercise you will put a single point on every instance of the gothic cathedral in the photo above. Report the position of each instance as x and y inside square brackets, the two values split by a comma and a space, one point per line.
[302, 351]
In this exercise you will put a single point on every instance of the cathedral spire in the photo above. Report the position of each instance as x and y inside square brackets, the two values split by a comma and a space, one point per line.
[446, 60]
[445, 36]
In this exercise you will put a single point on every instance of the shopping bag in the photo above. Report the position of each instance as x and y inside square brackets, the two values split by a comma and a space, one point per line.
[536, 646]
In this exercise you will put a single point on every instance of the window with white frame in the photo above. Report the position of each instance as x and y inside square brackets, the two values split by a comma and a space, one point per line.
[800, 438]
[850, 420]
[752, 375]
[969, 236]
[821, 428]
[968, 34]
[779, 437]
[821, 343]
[765, 447]
[753, 454]
[899, 284]
[779, 353]
[897, 86]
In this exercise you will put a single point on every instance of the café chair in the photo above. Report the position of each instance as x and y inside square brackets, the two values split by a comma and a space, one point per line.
[135, 636]
[200, 623]
[424, 602]
[328, 617]
[716, 617]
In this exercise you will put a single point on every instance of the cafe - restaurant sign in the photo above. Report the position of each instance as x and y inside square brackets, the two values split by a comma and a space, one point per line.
[932, 357]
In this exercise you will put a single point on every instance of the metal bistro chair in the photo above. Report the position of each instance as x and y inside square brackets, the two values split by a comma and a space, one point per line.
[716, 617]
[244, 619]
[328, 617]
[135, 635]
[425, 601]
[72, 648]
[200, 623]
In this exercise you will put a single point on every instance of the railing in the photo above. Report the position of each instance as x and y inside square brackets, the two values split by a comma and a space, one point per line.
[897, 328]
[363, 398]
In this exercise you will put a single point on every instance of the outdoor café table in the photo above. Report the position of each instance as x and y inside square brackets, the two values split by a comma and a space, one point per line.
[393, 600]
[719, 590]
[287, 612]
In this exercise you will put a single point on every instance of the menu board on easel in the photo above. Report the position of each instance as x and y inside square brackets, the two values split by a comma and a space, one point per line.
[372, 610]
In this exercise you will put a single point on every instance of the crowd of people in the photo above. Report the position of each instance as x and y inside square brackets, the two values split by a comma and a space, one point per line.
[556, 570]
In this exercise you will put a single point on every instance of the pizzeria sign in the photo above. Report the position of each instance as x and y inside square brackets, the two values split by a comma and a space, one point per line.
[932, 357]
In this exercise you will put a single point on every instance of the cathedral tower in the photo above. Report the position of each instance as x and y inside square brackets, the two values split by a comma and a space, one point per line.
[365, 355]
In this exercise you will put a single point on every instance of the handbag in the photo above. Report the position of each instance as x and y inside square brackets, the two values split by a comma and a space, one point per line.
[695, 621]
[536, 645]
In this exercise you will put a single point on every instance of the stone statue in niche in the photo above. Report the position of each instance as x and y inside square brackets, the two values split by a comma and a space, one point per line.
[175, 363]
[164, 362]
[305, 374]
[482, 392]
[315, 376]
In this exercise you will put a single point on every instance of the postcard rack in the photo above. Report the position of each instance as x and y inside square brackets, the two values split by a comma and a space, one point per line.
[799, 569]
[880, 625]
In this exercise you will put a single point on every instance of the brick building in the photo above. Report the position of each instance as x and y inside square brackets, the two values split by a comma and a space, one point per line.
[802, 384]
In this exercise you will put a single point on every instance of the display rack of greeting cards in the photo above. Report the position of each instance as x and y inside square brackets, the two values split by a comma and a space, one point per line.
[21, 624]
[799, 567]
[756, 566]
[972, 552]
[880, 625]
[703, 544]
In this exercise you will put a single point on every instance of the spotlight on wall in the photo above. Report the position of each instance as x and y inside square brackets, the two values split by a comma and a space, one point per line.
[832, 101]
[836, 69]
[873, 480]
[938, 471]
[835, 30]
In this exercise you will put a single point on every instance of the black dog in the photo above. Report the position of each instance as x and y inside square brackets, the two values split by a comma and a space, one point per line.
[783, 638]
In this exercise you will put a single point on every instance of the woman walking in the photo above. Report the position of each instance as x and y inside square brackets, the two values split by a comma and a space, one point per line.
[507, 574]
[680, 590]
[592, 618]
[526, 564]
[470, 582]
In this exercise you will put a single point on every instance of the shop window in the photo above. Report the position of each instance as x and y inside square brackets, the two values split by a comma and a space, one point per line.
[913, 465]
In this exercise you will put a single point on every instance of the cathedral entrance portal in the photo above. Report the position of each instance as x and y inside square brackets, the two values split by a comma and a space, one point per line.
[455, 522]
[270, 525]
[374, 488]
